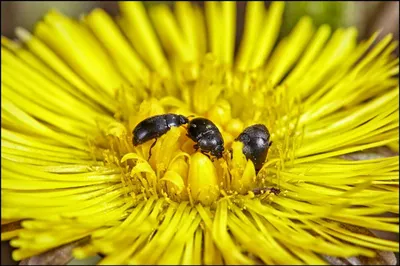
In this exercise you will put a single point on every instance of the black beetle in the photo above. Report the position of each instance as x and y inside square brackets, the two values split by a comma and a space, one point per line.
[207, 136]
[156, 126]
[256, 143]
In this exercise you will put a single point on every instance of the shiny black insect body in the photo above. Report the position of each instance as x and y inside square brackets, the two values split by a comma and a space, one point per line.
[207, 136]
[156, 126]
[258, 191]
[256, 143]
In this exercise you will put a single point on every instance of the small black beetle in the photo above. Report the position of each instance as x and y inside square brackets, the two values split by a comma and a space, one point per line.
[207, 136]
[256, 143]
[257, 191]
[156, 126]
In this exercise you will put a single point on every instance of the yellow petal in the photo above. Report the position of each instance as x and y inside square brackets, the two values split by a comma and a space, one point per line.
[203, 179]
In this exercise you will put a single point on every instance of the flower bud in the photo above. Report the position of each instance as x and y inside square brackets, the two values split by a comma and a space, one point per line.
[228, 139]
[203, 179]
[220, 113]
[176, 179]
[235, 127]
[242, 170]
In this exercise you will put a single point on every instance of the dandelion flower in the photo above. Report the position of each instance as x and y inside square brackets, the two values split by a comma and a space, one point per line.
[73, 91]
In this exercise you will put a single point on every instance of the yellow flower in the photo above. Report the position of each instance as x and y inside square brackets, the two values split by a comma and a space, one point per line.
[73, 91]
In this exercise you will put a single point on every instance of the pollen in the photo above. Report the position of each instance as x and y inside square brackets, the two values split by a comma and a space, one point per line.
[175, 169]
[73, 91]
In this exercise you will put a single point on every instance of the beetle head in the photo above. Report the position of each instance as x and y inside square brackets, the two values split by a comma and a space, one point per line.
[183, 119]
[217, 152]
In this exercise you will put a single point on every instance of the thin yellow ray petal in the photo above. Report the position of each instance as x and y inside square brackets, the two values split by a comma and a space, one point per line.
[249, 239]
[56, 157]
[10, 235]
[215, 28]
[186, 17]
[394, 146]
[12, 178]
[297, 41]
[212, 255]
[72, 127]
[230, 252]
[35, 202]
[27, 160]
[332, 106]
[38, 85]
[200, 30]
[229, 31]
[343, 72]
[27, 171]
[88, 208]
[255, 12]
[367, 222]
[312, 51]
[162, 238]
[40, 49]
[124, 56]
[145, 41]
[38, 65]
[268, 35]
[81, 50]
[40, 184]
[140, 226]
[36, 142]
[187, 230]
[136, 217]
[335, 52]
[281, 252]
[197, 247]
[374, 52]
[38, 128]
[378, 128]
[356, 83]
[52, 241]
[188, 255]
[364, 240]
[170, 34]
[346, 150]
[62, 196]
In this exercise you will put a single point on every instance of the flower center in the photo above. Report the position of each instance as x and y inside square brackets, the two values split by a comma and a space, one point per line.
[175, 169]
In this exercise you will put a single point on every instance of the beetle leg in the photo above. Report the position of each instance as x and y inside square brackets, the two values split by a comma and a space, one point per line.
[196, 146]
[276, 191]
[203, 152]
[257, 191]
[152, 145]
